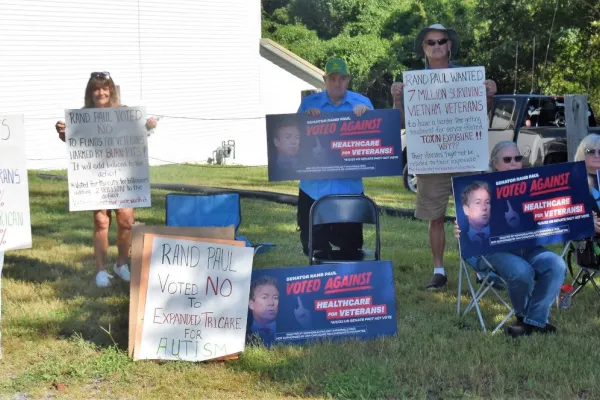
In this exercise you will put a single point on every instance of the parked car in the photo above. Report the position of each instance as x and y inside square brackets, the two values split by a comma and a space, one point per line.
[535, 122]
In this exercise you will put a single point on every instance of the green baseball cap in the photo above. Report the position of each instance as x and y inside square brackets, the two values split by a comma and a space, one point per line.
[336, 65]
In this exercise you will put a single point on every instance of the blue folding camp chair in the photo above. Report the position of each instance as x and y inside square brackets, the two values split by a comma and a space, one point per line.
[218, 210]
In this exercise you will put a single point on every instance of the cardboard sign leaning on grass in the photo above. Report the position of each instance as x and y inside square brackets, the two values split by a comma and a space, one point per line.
[196, 298]
[446, 120]
[108, 158]
[15, 219]
[137, 298]
[333, 301]
[511, 210]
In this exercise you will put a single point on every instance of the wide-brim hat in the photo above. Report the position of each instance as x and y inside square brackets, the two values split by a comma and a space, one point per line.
[452, 35]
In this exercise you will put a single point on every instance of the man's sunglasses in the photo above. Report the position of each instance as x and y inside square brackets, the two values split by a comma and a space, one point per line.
[589, 152]
[102, 75]
[507, 160]
[432, 42]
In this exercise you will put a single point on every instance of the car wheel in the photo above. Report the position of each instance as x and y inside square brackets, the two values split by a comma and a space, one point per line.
[410, 180]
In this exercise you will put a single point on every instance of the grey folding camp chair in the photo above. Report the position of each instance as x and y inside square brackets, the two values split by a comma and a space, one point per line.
[489, 279]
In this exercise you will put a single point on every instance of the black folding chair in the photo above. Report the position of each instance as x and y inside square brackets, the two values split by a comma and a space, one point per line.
[332, 209]
[585, 274]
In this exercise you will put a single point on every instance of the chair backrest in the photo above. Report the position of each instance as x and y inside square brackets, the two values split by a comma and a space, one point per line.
[344, 208]
[203, 210]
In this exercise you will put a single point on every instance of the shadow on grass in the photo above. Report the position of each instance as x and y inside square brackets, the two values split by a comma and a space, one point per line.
[87, 308]
[36, 271]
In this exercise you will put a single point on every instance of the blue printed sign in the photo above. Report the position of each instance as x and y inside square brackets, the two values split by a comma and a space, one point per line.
[510, 210]
[296, 304]
[334, 145]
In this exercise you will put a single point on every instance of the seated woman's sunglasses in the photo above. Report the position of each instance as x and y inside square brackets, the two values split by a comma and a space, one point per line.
[507, 160]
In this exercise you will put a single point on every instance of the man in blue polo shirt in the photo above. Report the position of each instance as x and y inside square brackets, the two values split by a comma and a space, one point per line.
[336, 98]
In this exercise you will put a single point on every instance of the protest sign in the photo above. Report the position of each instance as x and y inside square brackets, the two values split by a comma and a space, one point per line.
[196, 294]
[446, 120]
[333, 301]
[334, 145]
[108, 158]
[15, 219]
[137, 298]
[510, 210]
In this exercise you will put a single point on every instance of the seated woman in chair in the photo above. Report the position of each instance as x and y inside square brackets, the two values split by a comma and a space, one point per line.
[589, 151]
[534, 274]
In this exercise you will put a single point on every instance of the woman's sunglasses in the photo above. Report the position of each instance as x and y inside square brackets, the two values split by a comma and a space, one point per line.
[102, 75]
[507, 160]
[432, 42]
[589, 152]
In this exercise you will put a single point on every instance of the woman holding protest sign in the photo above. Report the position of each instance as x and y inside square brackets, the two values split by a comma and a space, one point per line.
[534, 274]
[101, 92]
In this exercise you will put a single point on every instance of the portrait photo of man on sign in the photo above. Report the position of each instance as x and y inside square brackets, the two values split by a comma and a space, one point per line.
[287, 144]
[264, 306]
[476, 204]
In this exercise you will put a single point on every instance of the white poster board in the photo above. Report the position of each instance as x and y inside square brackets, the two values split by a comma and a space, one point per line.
[15, 218]
[197, 300]
[108, 158]
[446, 120]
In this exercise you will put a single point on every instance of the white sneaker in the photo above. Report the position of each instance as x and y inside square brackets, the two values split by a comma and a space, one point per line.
[122, 272]
[103, 279]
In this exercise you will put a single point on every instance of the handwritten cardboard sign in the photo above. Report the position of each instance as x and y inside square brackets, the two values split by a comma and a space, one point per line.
[15, 219]
[108, 158]
[446, 120]
[139, 272]
[196, 298]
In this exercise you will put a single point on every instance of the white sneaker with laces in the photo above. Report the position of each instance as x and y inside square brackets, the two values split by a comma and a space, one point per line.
[103, 279]
[122, 272]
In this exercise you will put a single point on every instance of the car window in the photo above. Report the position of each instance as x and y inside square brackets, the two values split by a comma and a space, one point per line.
[561, 111]
[542, 112]
[503, 114]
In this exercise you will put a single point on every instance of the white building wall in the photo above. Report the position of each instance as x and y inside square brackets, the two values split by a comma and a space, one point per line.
[195, 63]
[200, 68]
[47, 51]
[280, 91]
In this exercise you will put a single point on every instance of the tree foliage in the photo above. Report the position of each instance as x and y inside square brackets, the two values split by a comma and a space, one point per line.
[508, 37]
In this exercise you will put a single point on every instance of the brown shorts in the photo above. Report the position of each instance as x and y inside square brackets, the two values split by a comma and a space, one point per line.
[433, 191]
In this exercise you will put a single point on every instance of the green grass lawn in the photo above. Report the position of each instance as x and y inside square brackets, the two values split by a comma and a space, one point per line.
[55, 321]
